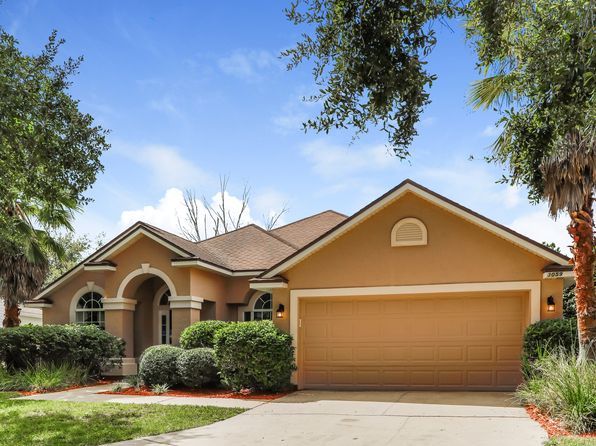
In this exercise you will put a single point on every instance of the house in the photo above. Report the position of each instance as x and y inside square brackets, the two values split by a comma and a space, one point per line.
[413, 291]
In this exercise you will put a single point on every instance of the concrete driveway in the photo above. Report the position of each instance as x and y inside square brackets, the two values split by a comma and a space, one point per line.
[370, 418]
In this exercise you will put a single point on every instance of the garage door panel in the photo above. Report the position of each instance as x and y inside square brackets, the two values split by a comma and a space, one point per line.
[392, 343]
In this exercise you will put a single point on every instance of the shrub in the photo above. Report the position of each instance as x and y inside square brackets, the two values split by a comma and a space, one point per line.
[254, 355]
[564, 387]
[196, 367]
[200, 334]
[43, 377]
[546, 336]
[88, 345]
[158, 365]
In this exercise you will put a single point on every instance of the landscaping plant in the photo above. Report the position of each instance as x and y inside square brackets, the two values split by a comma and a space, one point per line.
[84, 345]
[196, 367]
[160, 389]
[564, 387]
[159, 365]
[43, 377]
[254, 355]
[200, 334]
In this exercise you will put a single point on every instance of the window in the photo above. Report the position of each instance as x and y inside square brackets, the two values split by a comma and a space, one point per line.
[165, 318]
[409, 232]
[89, 310]
[262, 309]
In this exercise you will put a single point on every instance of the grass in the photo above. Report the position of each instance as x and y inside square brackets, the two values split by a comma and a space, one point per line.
[570, 441]
[43, 377]
[59, 423]
[563, 386]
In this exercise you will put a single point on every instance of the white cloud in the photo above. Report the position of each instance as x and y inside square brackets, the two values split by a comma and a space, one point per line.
[248, 64]
[167, 166]
[166, 105]
[540, 227]
[490, 131]
[170, 209]
[331, 161]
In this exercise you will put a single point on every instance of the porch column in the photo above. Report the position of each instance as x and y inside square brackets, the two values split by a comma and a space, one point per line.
[186, 310]
[119, 315]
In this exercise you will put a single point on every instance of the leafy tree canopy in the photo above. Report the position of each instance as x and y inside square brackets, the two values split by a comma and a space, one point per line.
[369, 62]
[538, 56]
[49, 150]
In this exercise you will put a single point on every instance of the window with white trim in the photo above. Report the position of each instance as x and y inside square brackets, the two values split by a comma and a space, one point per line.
[262, 309]
[89, 310]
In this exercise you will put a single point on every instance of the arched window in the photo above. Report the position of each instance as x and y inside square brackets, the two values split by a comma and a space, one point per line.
[89, 310]
[262, 309]
[165, 318]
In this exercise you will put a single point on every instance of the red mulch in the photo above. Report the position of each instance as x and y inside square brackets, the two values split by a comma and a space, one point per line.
[202, 393]
[552, 427]
[77, 386]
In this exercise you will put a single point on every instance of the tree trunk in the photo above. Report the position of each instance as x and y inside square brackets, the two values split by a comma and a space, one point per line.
[11, 315]
[581, 230]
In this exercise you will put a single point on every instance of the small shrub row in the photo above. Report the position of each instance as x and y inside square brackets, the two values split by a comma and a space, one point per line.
[88, 345]
[169, 365]
[246, 355]
[43, 377]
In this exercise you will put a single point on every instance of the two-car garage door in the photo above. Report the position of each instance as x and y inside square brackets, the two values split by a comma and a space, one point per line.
[464, 341]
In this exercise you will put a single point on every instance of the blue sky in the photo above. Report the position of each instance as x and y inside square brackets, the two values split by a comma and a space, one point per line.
[194, 90]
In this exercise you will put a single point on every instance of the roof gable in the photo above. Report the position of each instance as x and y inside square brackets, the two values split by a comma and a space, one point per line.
[439, 200]
[304, 231]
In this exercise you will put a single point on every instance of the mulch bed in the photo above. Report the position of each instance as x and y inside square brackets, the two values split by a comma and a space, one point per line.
[200, 393]
[552, 427]
[101, 382]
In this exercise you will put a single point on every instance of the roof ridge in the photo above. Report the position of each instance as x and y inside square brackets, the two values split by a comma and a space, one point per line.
[226, 233]
[309, 217]
[276, 237]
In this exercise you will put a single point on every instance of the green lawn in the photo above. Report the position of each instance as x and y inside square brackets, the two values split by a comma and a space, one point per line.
[571, 441]
[57, 423]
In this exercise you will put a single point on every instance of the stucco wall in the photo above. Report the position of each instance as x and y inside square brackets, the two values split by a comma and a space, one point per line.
[457, 252]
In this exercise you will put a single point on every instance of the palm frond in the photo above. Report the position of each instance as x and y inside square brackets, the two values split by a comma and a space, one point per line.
[570, 172]
[492, 90]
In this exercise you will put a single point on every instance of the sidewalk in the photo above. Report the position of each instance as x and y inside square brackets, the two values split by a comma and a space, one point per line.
[92, 395]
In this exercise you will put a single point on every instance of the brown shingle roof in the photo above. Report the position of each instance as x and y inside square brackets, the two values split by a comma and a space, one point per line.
[247, 248]
[302, 232]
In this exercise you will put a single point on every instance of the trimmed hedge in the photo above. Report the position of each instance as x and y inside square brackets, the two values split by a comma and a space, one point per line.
[200, 334]
[86, 345]
[546, 336]
[159, 365]
[254, 355]
[196, 367]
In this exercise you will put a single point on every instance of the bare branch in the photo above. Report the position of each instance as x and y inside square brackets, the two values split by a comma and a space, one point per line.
[271, 221]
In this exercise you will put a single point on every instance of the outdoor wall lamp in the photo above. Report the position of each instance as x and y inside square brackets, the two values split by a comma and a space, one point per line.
[550, 304]
[280, 311]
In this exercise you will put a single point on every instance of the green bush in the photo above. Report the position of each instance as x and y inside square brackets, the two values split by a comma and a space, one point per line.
[43, 377]
[254, 355]
[158, 365]
[564, 387]
[87, 345]
[545, 336]
[200, 334]
[196, 367]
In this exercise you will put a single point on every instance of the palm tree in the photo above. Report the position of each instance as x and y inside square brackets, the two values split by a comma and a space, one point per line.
[27, 240]
[569, 182]
[568, 178]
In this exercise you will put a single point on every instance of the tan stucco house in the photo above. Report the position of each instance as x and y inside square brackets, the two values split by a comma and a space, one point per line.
[413, 291]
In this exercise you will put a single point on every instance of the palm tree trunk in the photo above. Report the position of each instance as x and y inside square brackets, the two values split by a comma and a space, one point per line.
[11, 314]
[581, 230]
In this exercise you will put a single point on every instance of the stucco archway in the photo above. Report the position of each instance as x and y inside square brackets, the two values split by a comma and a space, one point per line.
[146, 269]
